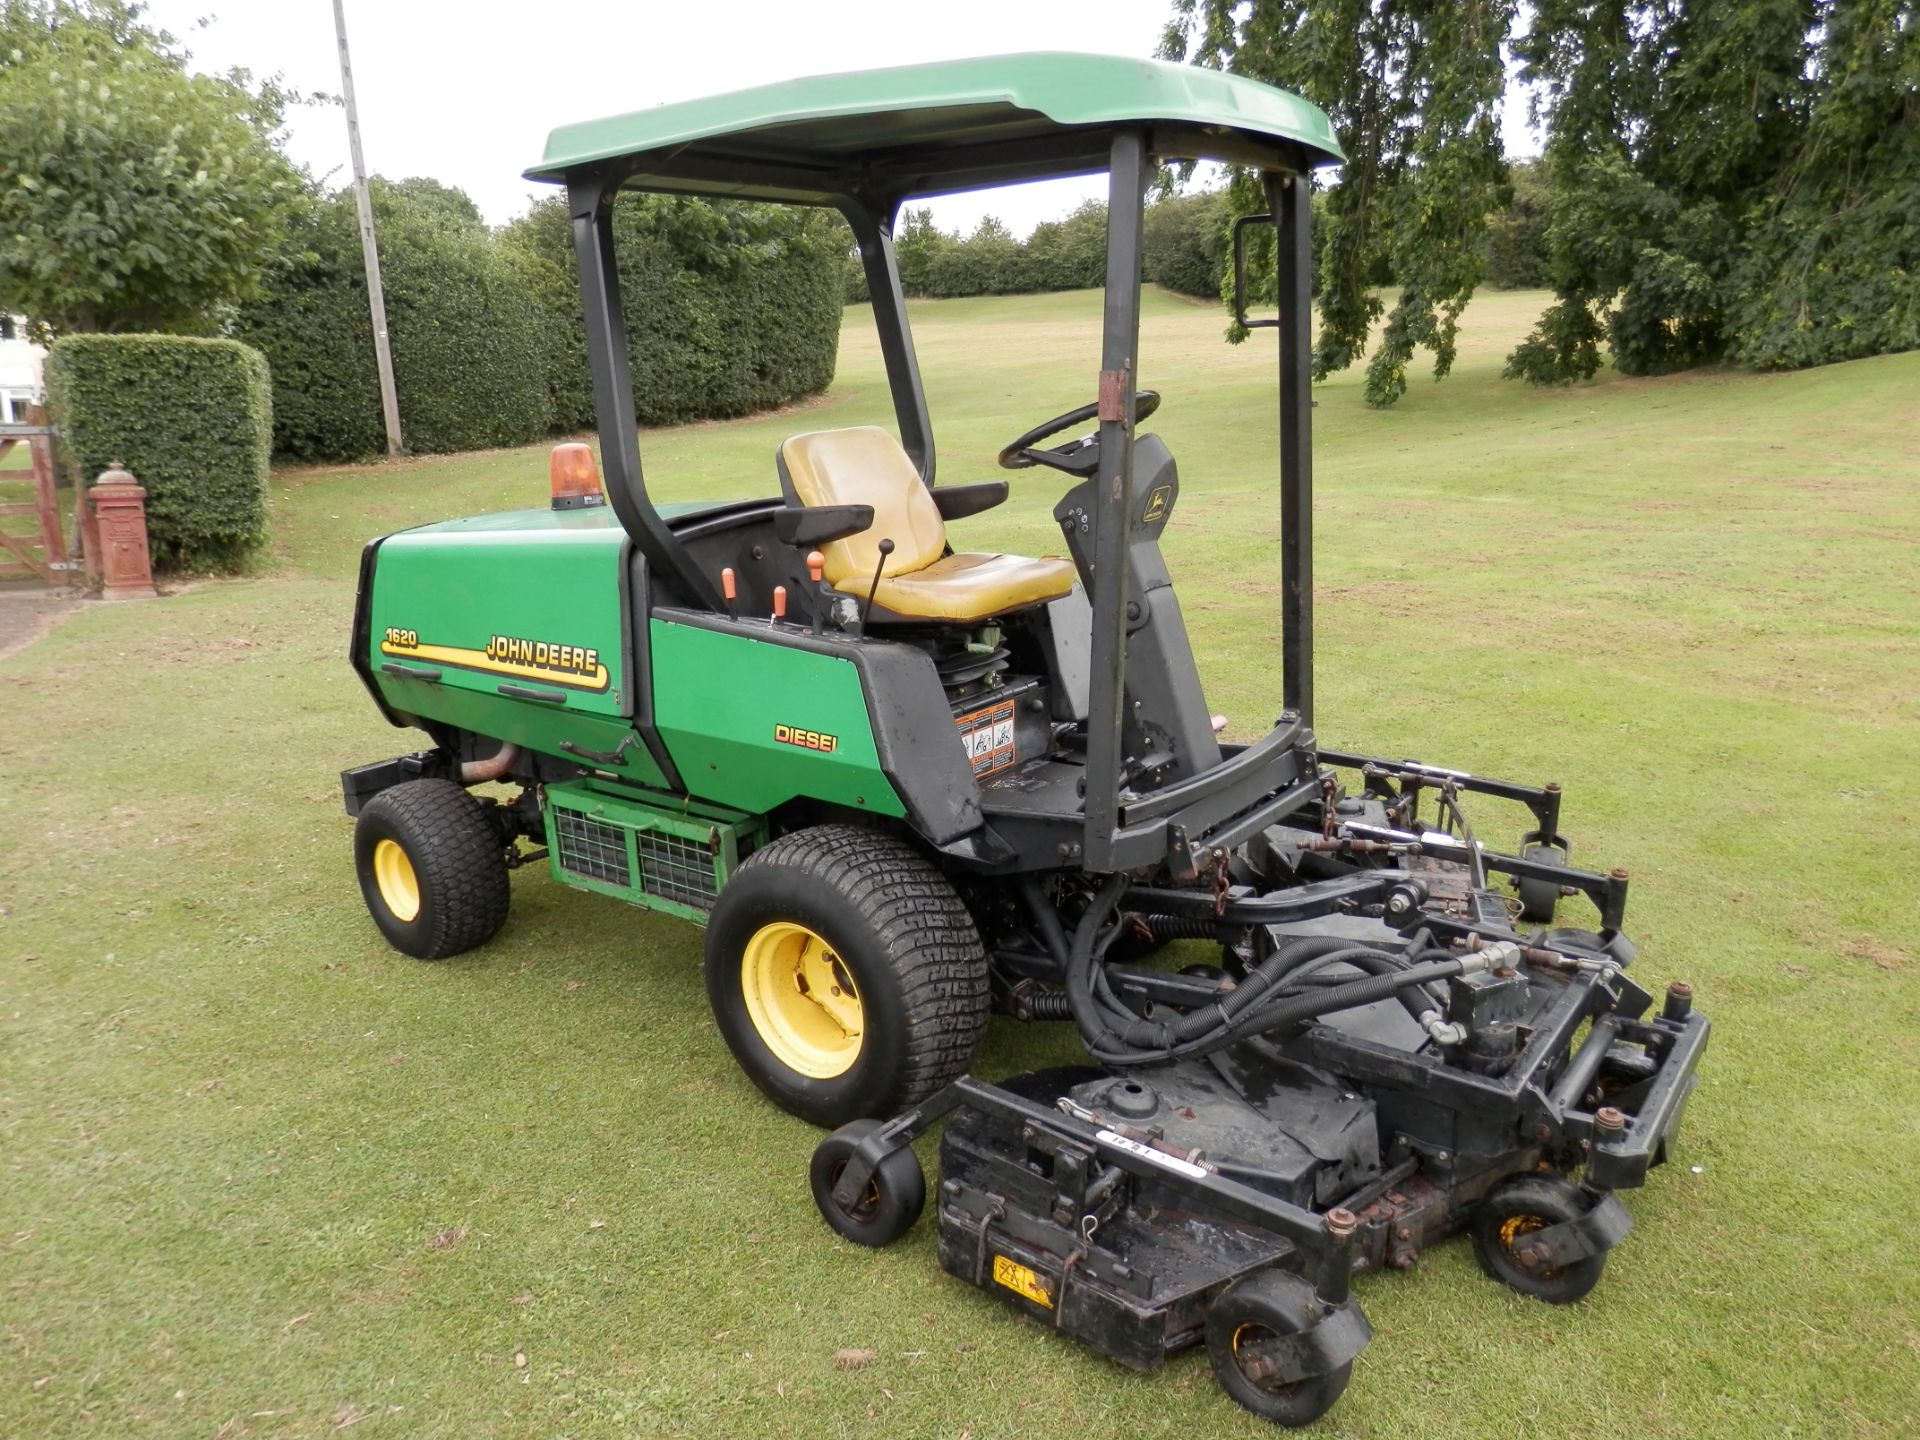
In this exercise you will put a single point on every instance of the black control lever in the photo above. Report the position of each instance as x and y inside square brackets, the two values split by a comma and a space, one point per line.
[886, 549]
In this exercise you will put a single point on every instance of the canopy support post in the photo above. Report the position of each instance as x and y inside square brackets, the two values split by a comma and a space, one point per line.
[1290, 199]
[1113, 514]
[590, 203]
[873, 231]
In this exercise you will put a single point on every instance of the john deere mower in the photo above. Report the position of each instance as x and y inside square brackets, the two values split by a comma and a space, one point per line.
[906, 784]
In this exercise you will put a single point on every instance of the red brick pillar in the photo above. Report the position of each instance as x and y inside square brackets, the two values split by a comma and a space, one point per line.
[119, 503]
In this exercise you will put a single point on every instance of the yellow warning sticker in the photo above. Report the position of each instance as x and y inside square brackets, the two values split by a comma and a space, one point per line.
[1021, 1280]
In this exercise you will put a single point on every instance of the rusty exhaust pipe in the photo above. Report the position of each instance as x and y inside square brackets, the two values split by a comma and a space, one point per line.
[478, 772]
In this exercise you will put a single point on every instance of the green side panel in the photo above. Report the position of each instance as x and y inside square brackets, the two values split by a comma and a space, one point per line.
[532, 599]
[950, 103]
[720, 700]
[535, 727]
[657, 851]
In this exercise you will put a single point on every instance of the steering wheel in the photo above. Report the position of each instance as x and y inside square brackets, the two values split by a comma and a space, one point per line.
[1077, 457]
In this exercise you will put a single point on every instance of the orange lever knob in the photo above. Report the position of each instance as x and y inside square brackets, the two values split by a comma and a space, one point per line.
[726, 584]
[816, 565]
[779, 602]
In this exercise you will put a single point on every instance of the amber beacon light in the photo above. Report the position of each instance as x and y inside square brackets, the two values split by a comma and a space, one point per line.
[576, 479]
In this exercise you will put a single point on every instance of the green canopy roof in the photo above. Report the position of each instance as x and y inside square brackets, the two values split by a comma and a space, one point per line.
[955, 125]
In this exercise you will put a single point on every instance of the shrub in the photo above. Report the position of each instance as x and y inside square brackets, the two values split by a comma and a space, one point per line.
[730, 307]
[469, 356]
[856, 291]
[1069, 254]
[1517, 256]
[317, 333]
[191, 418]
[1184, 247]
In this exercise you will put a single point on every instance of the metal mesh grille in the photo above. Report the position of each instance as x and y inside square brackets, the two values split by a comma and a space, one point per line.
[676, 869]
[591, 848]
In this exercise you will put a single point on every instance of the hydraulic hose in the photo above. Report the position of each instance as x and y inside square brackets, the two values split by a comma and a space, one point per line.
[1282, 1011]
[1271, 997]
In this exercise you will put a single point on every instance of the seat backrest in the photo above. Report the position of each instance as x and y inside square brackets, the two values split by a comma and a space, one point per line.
[865, 465]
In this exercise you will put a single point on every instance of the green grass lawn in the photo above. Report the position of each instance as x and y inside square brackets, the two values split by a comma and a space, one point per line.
[265, 1178]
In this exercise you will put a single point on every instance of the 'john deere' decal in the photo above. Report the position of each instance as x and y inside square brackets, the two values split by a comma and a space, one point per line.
[525, 659]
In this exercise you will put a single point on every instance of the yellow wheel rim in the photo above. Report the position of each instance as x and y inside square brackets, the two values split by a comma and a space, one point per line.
[1514, 1226]
[393, 873]
[802, 1000]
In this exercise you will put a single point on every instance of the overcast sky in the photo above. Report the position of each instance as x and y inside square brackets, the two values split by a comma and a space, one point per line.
[465, 91]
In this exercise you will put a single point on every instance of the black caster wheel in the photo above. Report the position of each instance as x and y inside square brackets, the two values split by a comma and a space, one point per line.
[892, 1201]
[1538, 898]
[1242, 1327]
[1515, 1209]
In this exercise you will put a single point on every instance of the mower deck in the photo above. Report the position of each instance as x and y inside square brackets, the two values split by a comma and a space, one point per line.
[1120, 1205]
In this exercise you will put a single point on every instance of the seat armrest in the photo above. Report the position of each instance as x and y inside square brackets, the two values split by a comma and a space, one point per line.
[821, 524]
[956, 502]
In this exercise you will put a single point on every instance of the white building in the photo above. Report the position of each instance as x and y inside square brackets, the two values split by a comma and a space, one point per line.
[19, 370]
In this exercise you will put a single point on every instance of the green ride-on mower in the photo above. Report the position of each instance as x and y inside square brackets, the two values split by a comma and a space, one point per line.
[905, 785]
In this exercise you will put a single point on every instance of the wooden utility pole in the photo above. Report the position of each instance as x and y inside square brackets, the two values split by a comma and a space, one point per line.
[376, 297]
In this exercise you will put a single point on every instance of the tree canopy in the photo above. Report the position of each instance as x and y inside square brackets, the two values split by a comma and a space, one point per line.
[134, 196]
[1732, 180]
[1413, 88]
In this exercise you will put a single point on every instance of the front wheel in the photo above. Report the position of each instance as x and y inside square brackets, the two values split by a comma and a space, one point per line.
[1517, 1208]
[432, 868]
[1245, 1329]
[845, 974]
[890, 1202]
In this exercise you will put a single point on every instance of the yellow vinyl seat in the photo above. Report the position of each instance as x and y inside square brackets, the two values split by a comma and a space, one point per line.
[866, 465]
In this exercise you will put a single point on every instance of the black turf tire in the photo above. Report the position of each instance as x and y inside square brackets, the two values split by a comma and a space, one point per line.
[1539, 898]
[1532, 1201]
[1284, 1304]
[908, 942]
[894, 1197]
[459, 863]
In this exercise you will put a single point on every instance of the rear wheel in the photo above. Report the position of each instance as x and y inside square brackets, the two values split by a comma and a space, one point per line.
[845, 974]
[432, 868]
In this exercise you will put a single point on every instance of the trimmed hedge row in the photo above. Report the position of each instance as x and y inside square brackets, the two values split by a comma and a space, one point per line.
[468, 353]
[1185, 243]
[730, 308]
[193, 420]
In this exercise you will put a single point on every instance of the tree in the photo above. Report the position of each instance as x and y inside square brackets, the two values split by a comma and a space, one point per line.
[137, 197]
[1833, 269]
[987, 262]
[1184, 247]
[1069, 254]
[917, 244]
[1413, 88]
[1728, 181]
[1517, 232]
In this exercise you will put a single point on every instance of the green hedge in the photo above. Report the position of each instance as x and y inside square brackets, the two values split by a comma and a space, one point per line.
[469, 357]
[730, 307]
[193, 420]
[1185, 246]
[1185, 243]
[317, 334]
